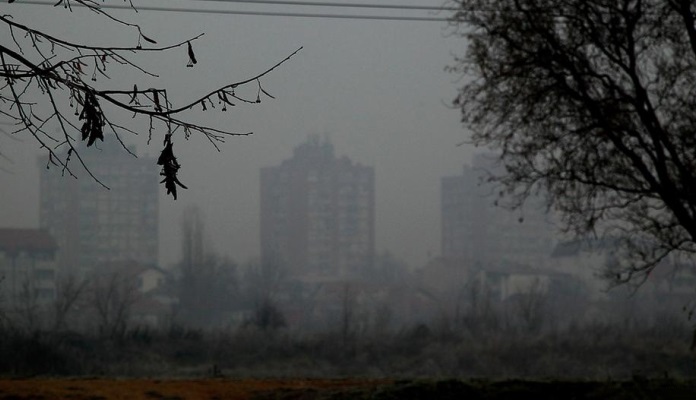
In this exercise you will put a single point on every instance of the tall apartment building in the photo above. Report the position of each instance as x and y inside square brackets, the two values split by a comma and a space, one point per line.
[479, 233]
[93, 225]
[318, 213]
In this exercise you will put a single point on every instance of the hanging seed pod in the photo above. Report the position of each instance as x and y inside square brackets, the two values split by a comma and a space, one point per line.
[155, 98]
[134, 96]
[266, 93]
[147, 39]
[192, 57]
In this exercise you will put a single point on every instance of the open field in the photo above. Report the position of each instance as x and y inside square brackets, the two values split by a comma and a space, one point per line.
[325, 389]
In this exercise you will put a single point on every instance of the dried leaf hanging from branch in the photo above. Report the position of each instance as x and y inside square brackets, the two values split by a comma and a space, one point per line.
[93, 127]
[170, 167]
[192, 57]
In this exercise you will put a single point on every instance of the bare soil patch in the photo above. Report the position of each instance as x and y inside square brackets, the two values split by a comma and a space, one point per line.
[167, 389]
[339, 389]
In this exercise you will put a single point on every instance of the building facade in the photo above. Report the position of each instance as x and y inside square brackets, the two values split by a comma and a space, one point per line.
[94, 225]
[318, 213]
[479, 231]
[27, 267]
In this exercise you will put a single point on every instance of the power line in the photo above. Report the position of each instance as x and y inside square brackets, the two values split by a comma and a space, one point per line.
[259, 13]
[404, 7]
[342, 5]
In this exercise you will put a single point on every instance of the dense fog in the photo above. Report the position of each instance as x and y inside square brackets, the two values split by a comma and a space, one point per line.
[354, 233]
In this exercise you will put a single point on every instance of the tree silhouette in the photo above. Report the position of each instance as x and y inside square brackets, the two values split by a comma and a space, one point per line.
[113, 295]
[208, 285]
[49, 82]
[591, 103]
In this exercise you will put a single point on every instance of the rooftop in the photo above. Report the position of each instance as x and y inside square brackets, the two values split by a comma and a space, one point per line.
[14, 240]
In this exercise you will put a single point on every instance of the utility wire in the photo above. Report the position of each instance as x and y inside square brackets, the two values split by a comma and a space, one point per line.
[258, 13]
[404, 7]
[343, 5]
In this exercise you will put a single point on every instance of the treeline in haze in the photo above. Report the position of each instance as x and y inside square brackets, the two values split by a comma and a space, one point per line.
[213, 317]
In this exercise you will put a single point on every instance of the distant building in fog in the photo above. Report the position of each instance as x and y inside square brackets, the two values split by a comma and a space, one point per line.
[93, 225]
[318, 213]
[480, 233]
[27, 266]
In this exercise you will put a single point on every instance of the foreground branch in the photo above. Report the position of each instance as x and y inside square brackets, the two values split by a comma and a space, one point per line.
[36, 65]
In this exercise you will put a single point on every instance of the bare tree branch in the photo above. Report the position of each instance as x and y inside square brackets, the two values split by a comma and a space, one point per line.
[590, 103]
[36, 66]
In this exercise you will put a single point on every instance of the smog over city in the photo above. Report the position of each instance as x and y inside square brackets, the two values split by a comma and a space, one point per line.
[342, 189]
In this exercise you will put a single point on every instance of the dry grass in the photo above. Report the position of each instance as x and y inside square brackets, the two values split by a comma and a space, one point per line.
[162, 389]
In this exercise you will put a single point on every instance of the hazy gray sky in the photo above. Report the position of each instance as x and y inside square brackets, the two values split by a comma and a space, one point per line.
[377, 89]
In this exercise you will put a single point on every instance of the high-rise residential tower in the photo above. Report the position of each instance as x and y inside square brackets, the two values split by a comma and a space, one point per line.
[93, 225]
[318, 213]
[480, 233]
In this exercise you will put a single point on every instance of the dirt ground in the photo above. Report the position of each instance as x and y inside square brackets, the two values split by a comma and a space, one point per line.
[338, 389]
[165, 389]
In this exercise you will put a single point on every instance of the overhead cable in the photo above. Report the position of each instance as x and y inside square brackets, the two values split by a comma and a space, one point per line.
[257, 13]
[342, 5]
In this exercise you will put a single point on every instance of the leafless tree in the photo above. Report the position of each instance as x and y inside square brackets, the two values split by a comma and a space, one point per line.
[68, 292]
[27, 308]
[267, 316]
[192, 242]
[260, 284]
[591, 103]
[3, 316]
[348, 308]
[481, 315]
[113, 296]
[382, 318]
[531, 304]
[49, 82]
[208, 286]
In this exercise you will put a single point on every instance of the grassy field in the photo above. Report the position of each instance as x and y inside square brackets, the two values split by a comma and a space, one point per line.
[298, 389]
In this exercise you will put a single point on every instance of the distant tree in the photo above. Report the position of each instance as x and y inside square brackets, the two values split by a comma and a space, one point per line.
[348, 321]
[69, 290]
[259, 287]
[3, 317]
[261, 283]
[531, 305]
[267, 316]
[113, 295]
[382, 319]
[591, 103]
[192, 240]
[208, 293]
[27, 308]
[50, 84]
[208, 284]
[482, 315]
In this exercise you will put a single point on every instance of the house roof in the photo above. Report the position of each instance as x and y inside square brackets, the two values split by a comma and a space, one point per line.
[127, 268]
[14, 240]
